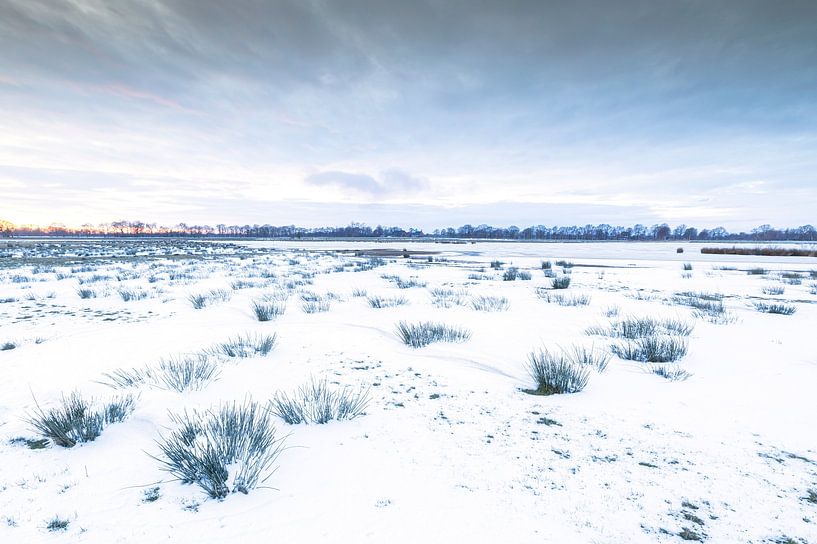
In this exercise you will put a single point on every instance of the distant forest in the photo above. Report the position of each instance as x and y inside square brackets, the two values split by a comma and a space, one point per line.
[662, 232]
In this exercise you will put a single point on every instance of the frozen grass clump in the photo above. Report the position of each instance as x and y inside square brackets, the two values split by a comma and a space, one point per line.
[202, 300]
[547, 265]
[408, 283]
[651, 349]
[562, 282]
[442, 297]
[279, 295]
[186, 373]
[359, 292]
[496, 265]
[633, 328]
[490, 304]
[8, 345]
[687, 266]
[128, 295]
[588, 356]
[246, 345]
[774, 290]
[85, 293]
[782, 309]
[670, 372]
[757, 271]
[317, 403]
[386, 302]
[418, 335]
[314, 306]
[565, 264]
[244, 284]
[57, 524]
[510, 274]
[77, 419]
[267, 311]
[124, 378]
[227, 450]
[555, 374]
[562, 300]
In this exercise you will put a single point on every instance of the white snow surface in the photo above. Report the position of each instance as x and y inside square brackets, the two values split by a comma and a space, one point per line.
[450, 449]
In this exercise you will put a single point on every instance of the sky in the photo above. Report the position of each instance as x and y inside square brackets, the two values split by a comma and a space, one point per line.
[413, 113]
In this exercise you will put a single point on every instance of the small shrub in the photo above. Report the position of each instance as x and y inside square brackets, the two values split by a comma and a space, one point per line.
[386, 302]
[246, 345]
[496, 265]
[317, 403]
[524, 275]
[151, 495]
[79, 420]
[547, 265]
[227, 450]
[510, 274]
[562, 282]
[422, 334]
[8, 345]
[267, 311]
[782, 309]
[555, 374]
[565, 264]
[612, 311]
[687, 266]
[489, 304]
[57, 524]
[757, 271]
[651, 349]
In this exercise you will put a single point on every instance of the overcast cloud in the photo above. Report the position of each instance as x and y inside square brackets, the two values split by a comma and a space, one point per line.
[425, 112]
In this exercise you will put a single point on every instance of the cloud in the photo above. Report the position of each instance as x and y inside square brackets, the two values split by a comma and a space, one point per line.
[568, 101]
[391, 182]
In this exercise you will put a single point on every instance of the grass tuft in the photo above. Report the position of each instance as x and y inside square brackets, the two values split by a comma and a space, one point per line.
[418, 335]
[555, 374]
[246, 345]
[490, 304]
[79, 420]
[562, 282]
[651, 349]
[386, 302]
[775, 308]
[227, 450]
[267, 311]
[317, 403]
[670, 372]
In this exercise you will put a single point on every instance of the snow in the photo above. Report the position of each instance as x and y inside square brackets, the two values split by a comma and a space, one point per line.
[450, 448]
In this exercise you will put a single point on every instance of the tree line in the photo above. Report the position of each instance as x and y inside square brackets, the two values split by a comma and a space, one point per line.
[602, 232]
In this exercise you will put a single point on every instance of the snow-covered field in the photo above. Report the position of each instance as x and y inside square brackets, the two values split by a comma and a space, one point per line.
[450, 448]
